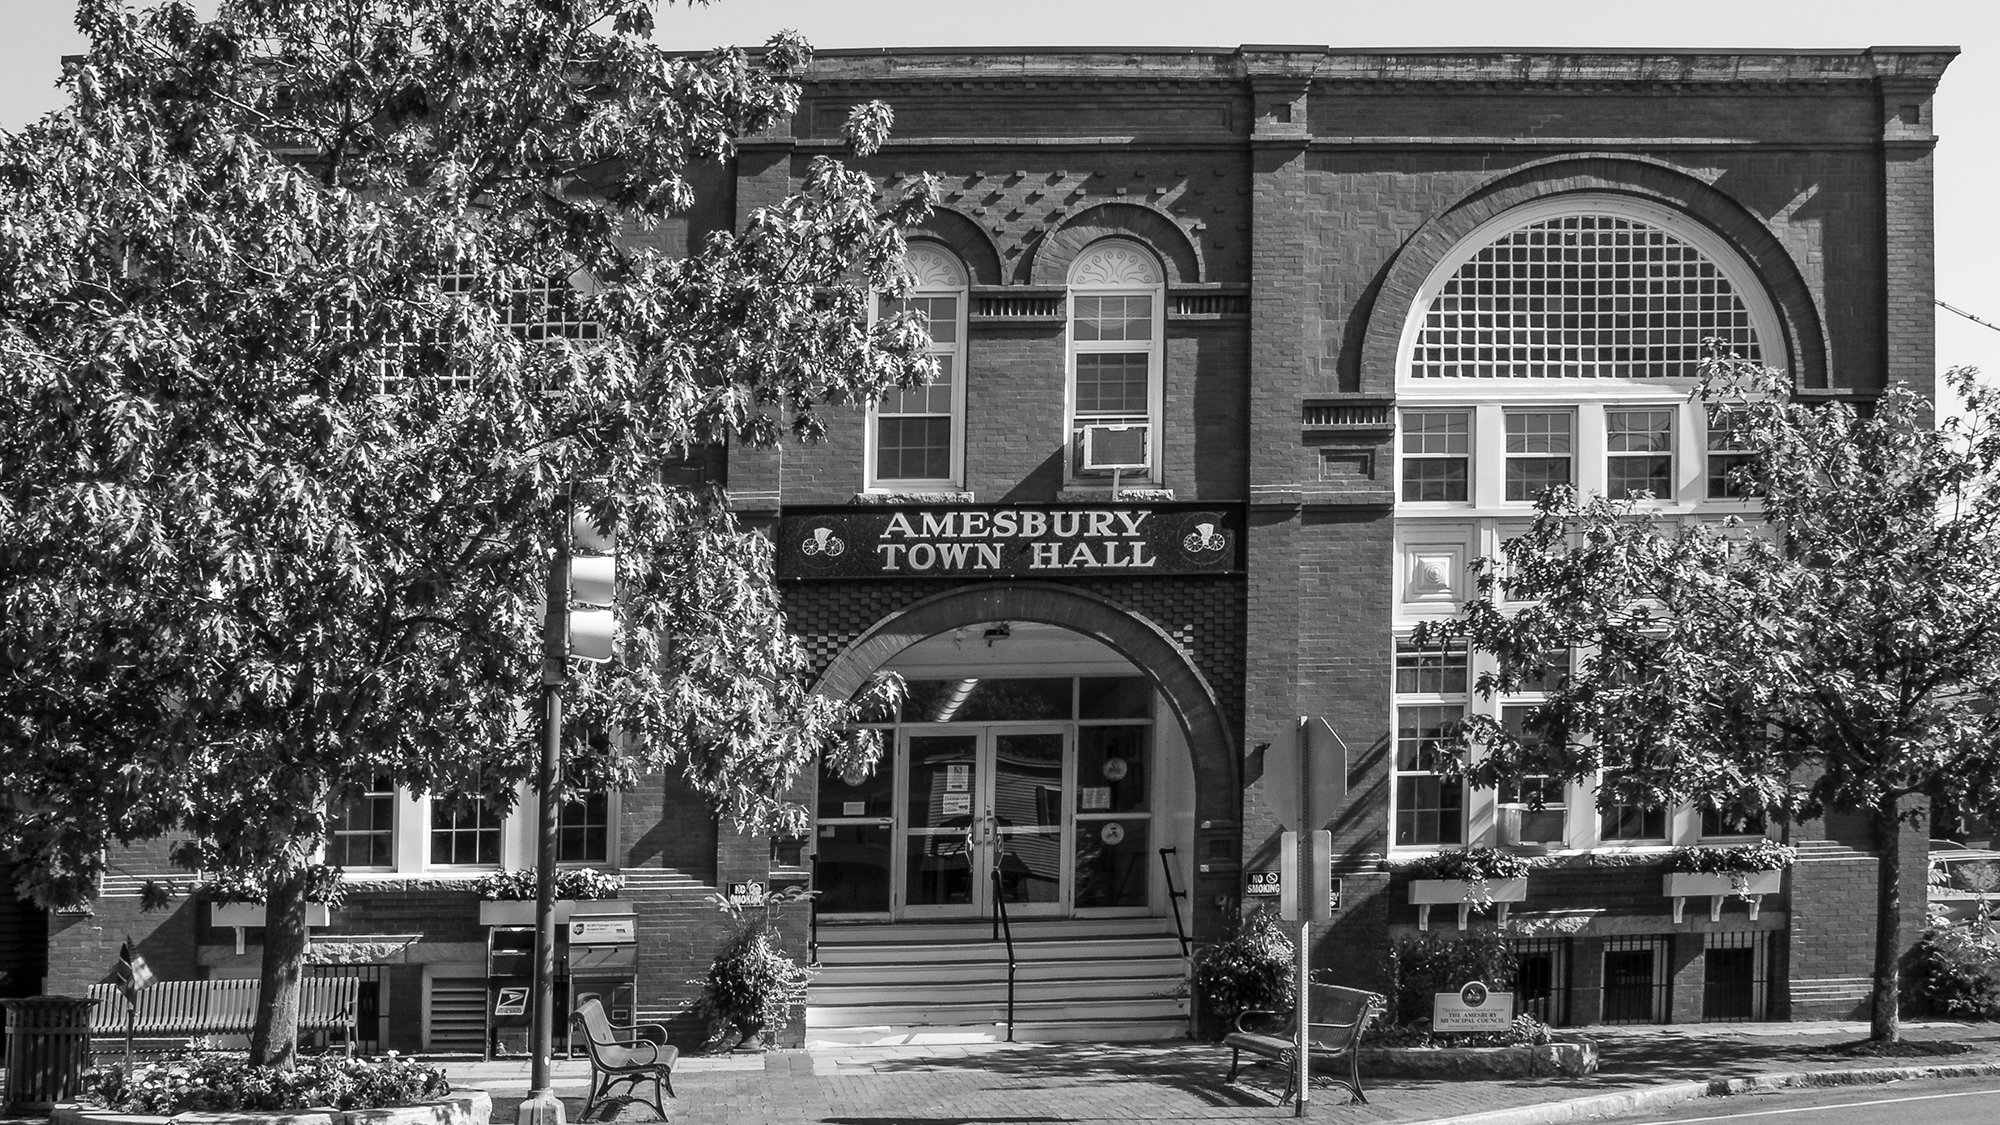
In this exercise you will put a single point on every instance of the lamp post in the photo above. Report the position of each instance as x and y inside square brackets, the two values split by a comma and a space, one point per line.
[542, 1107]
[583, 568]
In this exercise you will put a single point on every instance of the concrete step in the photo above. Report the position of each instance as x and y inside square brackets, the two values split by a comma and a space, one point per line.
[992, 990]
[868, 933]
[1037, 1031]
[995, 968]
[937, 952]
[970, 1012]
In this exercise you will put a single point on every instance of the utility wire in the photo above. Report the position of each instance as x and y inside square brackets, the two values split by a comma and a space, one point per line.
[1968, 316]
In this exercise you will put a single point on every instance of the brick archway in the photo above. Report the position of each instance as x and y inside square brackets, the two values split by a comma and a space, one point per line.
[1218, 785]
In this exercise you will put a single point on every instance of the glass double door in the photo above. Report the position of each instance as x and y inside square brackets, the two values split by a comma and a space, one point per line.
[983, 815]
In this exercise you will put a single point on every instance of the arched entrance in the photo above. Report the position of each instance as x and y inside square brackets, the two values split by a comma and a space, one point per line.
[976, 765]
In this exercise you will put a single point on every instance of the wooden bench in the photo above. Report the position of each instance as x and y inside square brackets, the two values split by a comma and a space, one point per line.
[1336, 1018]
[624, 1054]
[186, 1008]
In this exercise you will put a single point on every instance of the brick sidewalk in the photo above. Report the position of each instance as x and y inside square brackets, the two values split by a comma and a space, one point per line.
[1179, 1081]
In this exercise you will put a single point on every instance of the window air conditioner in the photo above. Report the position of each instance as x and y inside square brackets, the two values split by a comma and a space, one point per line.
[1122, 447]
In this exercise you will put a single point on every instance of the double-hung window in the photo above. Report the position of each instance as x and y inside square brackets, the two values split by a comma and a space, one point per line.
[1728, 454]
[1116, 321]
[465, 833]
[1541, 450]
[1437, 456]
[1639, 452]
[1431, 689]
[363, 834]
[1532, 805]
[917, 434]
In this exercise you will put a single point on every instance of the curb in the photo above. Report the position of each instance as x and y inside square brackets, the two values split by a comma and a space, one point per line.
[1660, 1097]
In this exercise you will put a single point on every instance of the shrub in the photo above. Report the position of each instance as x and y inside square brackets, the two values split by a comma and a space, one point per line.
[1252, 968]
[1422, 965]
[753, 985]
[1525, 1031]
[219, 1082]
[580, 883]
[1958, 966]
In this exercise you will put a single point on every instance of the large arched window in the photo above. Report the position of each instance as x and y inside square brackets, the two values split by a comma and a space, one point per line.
[1556, 346]
[1117, 294]
[916, 436]
[1591, 287]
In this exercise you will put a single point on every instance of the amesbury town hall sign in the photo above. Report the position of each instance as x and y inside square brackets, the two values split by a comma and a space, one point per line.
[1043, 541]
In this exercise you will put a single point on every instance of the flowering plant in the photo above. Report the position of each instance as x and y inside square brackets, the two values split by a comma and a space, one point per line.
[218, 1082]
[582, 883]
[324, 884]
[1739, 863]
[1475, 867]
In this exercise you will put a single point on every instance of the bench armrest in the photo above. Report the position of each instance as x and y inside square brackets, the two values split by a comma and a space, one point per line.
[1249, 1016]
[652, 1033]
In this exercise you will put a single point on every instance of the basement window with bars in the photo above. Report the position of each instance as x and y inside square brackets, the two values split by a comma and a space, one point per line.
[1736, 983]
[1635, 985]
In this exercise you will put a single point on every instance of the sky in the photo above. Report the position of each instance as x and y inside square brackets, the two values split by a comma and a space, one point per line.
[1966, 111]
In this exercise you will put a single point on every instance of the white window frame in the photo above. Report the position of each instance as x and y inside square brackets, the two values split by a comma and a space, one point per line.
[1471, 455]
[939, 273]
[1115, 267]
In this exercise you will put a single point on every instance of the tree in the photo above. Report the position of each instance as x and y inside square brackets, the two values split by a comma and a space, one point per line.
[1840, 652]
[311, 316]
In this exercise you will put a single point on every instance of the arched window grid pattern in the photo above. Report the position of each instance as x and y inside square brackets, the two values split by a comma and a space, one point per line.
[916, 435]
[1117, 305]
[1590, 288]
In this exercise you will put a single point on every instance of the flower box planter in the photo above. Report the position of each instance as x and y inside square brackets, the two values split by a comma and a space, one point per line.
[243, 915]
[1717, 887]
[1426, 893]
[520, 912]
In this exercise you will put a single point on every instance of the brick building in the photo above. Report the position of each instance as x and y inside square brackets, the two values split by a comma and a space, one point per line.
[1248, 354]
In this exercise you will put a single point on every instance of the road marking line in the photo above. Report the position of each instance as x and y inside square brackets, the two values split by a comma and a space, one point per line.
[1816, 1108]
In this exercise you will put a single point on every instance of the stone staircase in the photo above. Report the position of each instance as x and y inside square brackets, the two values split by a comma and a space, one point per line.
[1096, 980]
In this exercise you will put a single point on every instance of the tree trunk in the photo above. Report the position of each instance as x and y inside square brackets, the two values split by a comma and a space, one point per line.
[1885, 1024]
[275, 1039]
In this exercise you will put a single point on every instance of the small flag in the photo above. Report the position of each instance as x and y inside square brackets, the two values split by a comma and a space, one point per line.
[131, 973]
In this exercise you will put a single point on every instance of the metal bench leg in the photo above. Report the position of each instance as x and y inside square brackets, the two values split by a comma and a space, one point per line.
[1235, 1056]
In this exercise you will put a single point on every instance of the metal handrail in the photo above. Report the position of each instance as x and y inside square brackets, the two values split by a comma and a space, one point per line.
[1174, 897]
[1002, 928]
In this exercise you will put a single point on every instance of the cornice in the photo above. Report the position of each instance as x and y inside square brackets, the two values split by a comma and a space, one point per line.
[1141, 67]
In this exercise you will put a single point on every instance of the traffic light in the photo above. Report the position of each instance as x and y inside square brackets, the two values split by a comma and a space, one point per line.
[593, 588]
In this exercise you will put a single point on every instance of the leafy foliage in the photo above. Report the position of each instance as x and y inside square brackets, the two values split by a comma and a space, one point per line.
[215, 1082]
[753, 986]
[1421, 965]
[1747, 859]
[1476, 867]
[579, 883]
[1958, 966]
[1838, 653]
[1253, 968]
[323, 884]
[1523, 1031]
[312, 318]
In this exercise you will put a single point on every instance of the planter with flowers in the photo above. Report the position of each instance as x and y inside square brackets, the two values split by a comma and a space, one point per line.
[1474, 879]
[237, 900]
[509, 896]
[1749, 872]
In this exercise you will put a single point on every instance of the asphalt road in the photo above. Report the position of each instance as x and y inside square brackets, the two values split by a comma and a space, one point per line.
[1949, 1101]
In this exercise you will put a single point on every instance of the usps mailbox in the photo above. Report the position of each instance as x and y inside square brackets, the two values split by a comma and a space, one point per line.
[599, 955]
